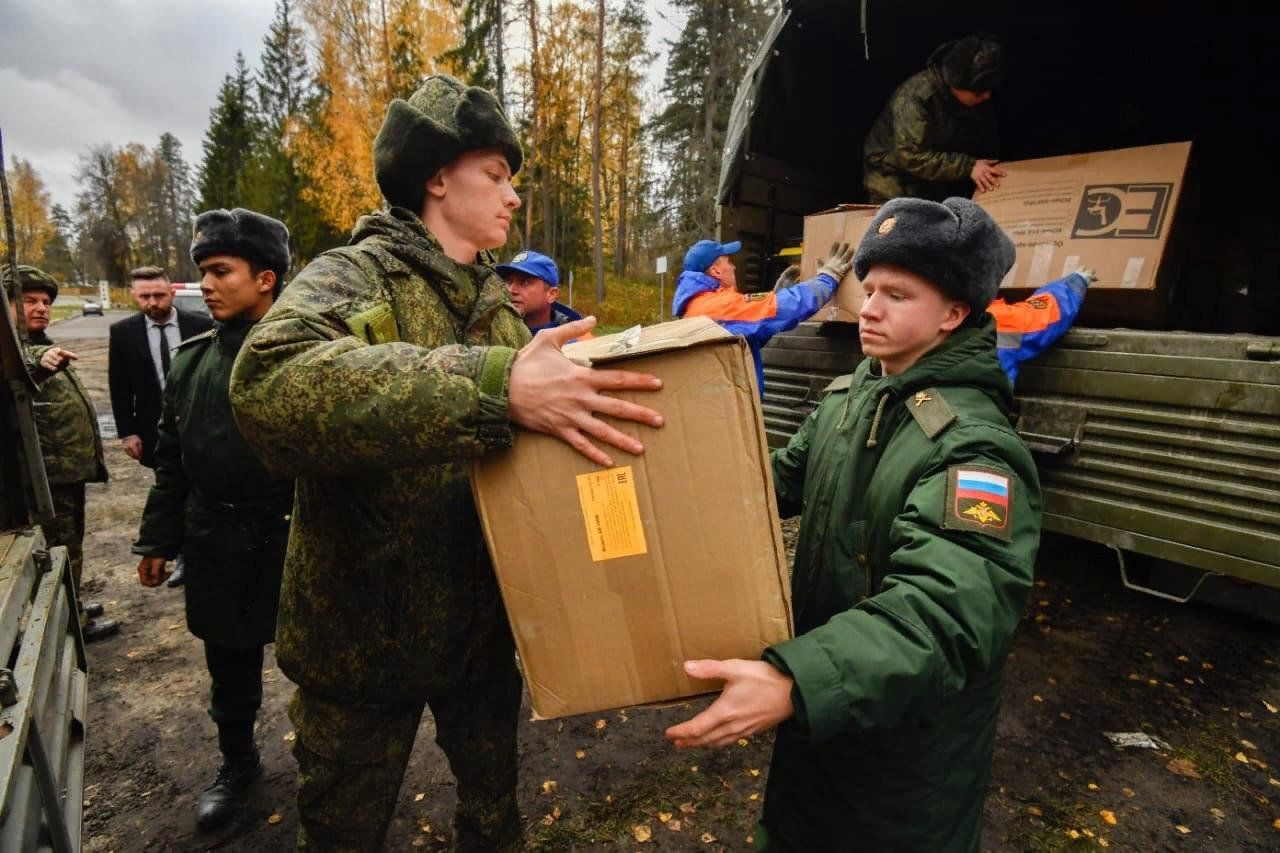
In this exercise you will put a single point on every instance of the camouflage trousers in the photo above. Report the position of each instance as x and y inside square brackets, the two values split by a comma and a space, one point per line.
[66, 529]
[352, 758]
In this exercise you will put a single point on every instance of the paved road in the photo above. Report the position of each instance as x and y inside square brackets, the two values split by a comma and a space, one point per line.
[85, 327]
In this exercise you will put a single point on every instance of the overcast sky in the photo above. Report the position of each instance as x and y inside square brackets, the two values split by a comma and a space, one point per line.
[75, 73]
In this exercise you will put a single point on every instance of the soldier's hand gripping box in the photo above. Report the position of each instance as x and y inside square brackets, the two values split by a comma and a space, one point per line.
[612, 578]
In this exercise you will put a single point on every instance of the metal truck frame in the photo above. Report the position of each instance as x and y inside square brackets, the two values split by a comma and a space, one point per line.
[1159, 443]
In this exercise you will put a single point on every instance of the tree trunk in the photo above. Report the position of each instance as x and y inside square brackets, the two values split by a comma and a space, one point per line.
[595, 156]
[500, 59]
[542, 171]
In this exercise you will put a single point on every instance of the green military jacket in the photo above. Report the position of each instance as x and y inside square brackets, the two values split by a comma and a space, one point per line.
[921, 519]
[66, 422]
[925, 142]
[378, 374]
[213, 501]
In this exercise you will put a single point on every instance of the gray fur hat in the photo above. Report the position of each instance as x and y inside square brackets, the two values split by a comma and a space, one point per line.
[955, 244]
[245, 234]
[441, 120]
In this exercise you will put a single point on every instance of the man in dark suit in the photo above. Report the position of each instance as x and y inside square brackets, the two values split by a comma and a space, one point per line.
[138, 359]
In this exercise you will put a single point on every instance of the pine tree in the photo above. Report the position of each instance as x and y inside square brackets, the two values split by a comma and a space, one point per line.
[176, 203]
[478, 58]
[287, 100]
[58, 260]
[704, 68]
[228, 143]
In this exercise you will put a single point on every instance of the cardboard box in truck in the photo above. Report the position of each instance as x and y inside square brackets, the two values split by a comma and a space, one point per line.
[843, 224]
[612, 578]
[1112, 211]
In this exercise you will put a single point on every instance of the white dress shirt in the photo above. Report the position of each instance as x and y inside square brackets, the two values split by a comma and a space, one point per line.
[153, 340]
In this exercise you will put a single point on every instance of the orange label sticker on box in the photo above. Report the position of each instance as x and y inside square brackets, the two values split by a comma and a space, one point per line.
[612, 513]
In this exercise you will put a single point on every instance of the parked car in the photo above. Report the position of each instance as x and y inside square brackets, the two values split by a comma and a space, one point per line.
[91, 306]
[187, 296]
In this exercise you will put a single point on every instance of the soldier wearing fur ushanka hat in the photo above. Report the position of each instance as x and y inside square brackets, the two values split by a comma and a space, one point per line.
[441, 120]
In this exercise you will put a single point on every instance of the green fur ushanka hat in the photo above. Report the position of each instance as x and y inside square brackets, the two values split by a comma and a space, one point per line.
[441, 120]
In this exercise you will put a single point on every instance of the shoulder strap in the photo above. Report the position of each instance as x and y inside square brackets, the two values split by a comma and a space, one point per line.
[931, 410]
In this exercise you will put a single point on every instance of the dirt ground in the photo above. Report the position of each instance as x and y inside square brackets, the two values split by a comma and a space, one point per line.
[1090, 657]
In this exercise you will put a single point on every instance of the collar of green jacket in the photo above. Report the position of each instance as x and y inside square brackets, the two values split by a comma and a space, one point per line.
[967, 357]
[468, 289]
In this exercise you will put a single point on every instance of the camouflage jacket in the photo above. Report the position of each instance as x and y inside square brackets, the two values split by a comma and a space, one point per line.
[66, 422]
[925, 142]
[381, 370]
[213, 501]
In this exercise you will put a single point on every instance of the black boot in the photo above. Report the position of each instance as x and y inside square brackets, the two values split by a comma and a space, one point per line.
[241, 765]
[99, 629]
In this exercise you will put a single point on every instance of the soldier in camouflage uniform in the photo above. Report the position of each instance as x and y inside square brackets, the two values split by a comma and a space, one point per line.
[383, 369]
[69, 439]
[937, 136]
[214, 503]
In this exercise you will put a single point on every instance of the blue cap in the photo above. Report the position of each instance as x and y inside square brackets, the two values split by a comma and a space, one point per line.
[704, 254]
[534, 264]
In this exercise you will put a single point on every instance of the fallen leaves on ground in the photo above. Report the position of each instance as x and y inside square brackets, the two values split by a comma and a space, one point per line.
[1128, 792]
[580, 754]
[708, 838]
[549, 786]
[601, 724]
[419, 797]
[641, 833]
[674, 825]
[275, 818]
[1185, 830]
[1183, 767]
[1108, 816]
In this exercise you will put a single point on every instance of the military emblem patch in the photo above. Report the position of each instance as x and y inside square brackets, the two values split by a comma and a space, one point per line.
[979, 498]
[887, 225]
[523, 256]
[1039, 302]
[755, 297]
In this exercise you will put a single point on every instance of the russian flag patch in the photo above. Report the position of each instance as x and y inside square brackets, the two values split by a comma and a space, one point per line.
[978, 498]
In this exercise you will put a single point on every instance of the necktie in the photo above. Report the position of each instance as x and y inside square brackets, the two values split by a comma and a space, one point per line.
[164, 349]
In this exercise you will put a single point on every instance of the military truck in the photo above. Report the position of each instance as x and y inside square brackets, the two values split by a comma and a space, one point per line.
[1159, 442]
[43, 676]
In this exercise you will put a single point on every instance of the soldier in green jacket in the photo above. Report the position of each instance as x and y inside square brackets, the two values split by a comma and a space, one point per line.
[69, 438]
[214, 502]
[913, 564]
[385, 367]
[937, 135]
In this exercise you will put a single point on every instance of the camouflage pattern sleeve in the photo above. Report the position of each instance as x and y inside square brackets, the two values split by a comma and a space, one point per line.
[911, 137]
[160, 534]
[314, 399]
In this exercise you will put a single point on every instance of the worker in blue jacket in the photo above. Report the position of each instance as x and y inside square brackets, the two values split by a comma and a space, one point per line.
[708, 287]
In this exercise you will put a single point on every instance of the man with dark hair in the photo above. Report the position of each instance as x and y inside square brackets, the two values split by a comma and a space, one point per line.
[913, 566]
[69, 440]
[937, 136]
[385, 367]
[213, 500]
[138, 356]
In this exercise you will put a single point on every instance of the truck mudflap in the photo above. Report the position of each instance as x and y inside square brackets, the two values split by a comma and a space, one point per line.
[1159, 443]
[43, 693]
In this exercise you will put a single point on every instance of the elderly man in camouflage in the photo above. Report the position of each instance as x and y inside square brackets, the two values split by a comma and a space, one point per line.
[386, 365]
[937, 135]
[69, 438]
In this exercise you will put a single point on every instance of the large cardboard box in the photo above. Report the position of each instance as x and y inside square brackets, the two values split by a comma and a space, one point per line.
[612, 578]
[1112, 211]
[843, 224]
